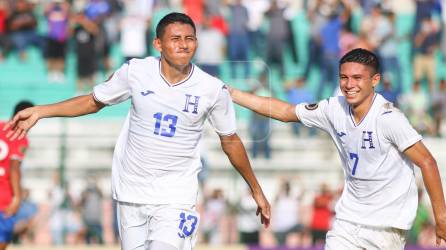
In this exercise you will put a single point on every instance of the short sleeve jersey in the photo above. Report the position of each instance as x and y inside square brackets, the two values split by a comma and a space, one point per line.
[9, 150]
[156, 158]
[380, 188]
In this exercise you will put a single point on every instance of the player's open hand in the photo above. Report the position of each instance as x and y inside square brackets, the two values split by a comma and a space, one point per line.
[440, 230]
[264, 209]
[21, 123]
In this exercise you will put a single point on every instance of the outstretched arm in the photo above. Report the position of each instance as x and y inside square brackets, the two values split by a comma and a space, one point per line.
[420, 155]
[234, 149]
[266, 106]
[26, 119]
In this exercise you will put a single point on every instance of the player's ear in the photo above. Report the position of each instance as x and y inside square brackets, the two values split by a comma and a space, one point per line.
[157, 44]
[375, 79]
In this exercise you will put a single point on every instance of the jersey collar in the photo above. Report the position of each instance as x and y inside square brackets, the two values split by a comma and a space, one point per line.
[363, 118]
[178, 83]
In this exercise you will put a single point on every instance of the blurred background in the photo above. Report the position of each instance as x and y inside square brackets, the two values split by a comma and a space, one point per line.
[55, 49]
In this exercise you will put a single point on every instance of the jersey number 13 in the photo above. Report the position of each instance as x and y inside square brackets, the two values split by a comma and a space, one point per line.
[165, 125]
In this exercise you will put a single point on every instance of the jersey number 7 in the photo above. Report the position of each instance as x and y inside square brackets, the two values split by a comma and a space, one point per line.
[354, 157]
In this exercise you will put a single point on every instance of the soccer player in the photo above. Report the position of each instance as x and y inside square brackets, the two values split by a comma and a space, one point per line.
[156, 159]
[11, 156]
[378, 148]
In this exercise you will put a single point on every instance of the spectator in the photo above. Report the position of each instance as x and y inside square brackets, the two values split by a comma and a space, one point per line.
[317, 19]
[443, 37]
[99, 11]
[416, 104]
[5, 43]
[113, 19]
[25, 218]
[133, 35]
[388, 49]
[212, 8]
[91, 210]
[278, 36]
[247, 222]
[256, 13]
[194, 9]
[23, 27]
[238, 40]
[387, 91]
[424, 9]
[63, 220]
[425, 43]
[347, 40]
[292, 8]
[322, 215]
[85, 32]
[57, 13]
[211, 52]
[139, 9]
[364, 41]
[296, 93]
[330, 33]
[286, 215]
[214, 211]
[439, 107]
[261, 126]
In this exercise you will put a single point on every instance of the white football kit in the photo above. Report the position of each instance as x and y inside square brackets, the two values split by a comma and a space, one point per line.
[380, 189]
[156, 158]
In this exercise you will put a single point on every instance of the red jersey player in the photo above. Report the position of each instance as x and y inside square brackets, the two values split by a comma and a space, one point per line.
[11, 155]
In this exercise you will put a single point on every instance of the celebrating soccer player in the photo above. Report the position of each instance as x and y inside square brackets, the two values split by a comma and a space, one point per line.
[378, 148]
[156, 159]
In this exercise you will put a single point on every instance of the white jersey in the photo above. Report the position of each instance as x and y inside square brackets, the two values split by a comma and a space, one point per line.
[380, 188]
[156, 159]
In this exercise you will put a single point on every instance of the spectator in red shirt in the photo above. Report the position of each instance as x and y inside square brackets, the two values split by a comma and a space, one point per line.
[322, 214]
[4, 41]
[11, 155]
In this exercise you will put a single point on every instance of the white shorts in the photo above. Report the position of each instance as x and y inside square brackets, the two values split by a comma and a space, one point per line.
[348, 235]
[140, 224]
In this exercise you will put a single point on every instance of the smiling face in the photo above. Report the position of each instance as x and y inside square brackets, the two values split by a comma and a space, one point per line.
[357, 82]
[177, 44]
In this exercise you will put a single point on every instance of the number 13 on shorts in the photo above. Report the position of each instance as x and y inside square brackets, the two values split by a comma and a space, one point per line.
[188, 224]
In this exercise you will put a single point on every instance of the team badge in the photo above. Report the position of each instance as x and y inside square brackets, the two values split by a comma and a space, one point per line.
[312, 106]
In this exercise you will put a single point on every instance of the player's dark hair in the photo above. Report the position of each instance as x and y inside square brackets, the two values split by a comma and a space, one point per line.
[170, 18]
[22, 105]
[363, 57]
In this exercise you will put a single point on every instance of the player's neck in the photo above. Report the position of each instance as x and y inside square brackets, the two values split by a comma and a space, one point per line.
[174, 73]
[360, 111]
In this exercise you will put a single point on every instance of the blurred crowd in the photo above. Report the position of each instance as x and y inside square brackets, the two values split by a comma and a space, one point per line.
[302, 217]
[254, 36]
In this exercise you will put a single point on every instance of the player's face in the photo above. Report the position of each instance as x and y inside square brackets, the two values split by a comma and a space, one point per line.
[178, 44]
[357, 82]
